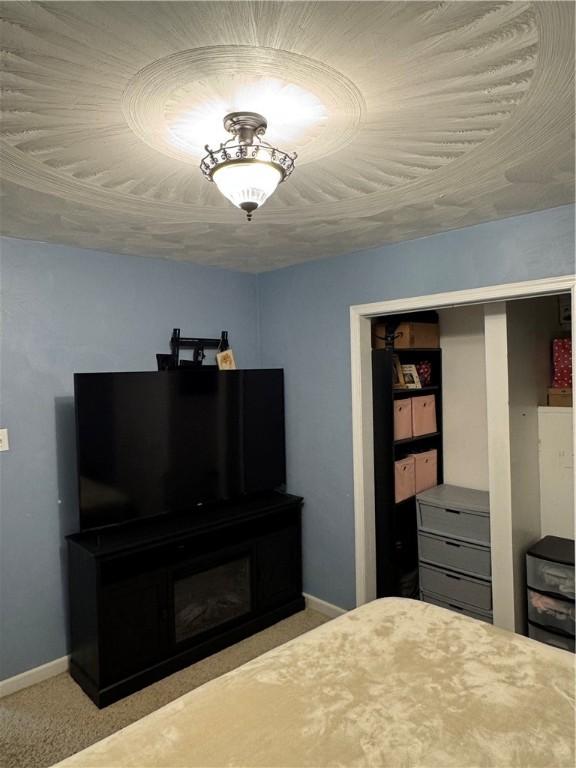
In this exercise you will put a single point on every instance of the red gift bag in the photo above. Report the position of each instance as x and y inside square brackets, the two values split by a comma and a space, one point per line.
[562, 363]
[424, 371]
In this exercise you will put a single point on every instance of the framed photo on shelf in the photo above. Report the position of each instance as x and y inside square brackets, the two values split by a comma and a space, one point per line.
[398, 376]
[226, 360]
[411, 378]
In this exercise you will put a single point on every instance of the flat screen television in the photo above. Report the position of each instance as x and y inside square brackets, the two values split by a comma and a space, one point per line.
[168, 442]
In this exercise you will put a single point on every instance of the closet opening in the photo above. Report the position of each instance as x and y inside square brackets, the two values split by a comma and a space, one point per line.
[467, 420]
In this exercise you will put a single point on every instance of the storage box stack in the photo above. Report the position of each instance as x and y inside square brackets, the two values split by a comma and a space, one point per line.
[560, 394]
[415, 473]
[550, 580]
[415, 417]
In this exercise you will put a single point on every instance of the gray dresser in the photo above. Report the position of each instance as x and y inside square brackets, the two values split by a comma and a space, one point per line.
[454, 550]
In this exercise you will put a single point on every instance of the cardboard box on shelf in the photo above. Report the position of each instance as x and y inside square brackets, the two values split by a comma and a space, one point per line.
[379, 336]
[560, 397]
[419, 335]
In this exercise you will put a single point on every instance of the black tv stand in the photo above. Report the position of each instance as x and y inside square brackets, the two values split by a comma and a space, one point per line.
[150, 597]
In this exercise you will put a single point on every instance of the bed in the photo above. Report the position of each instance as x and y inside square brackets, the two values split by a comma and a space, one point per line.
[395, 683]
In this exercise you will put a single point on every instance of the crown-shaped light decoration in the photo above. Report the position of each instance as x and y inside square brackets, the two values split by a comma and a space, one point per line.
[246, 169]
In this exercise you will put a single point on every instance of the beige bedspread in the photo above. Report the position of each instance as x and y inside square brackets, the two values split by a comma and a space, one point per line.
[395, 683]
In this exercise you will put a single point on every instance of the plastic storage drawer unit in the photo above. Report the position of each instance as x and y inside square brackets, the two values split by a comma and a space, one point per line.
[550, 594]
[465, 610]
[550, 638]
[454, 550]
[550, 577]
[456, 555]
[551, 612]
[550, 567]
[455, 587]
[460, 513]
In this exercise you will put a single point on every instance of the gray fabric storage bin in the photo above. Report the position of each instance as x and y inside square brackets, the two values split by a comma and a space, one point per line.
[456, 588]
[466, 610]
[458, 555]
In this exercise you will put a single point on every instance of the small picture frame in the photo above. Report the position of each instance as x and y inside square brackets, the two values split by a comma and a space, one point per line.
[226, 360]
[411, 378]
[398, 376]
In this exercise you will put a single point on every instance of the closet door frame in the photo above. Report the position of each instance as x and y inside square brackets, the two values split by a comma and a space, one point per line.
[361, 372]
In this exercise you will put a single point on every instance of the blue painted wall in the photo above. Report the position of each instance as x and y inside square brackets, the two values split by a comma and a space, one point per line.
[304, 318]
[67, 310]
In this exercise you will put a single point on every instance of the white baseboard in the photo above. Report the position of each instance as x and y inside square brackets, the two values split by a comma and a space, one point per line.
[327, 609]
[33, 676]
[52, 668]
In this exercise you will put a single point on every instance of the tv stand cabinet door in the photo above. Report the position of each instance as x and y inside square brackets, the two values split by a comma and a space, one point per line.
[279, 567]
[133, 625]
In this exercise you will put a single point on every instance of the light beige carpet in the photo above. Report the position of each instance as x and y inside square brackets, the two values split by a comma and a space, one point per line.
[49, 721]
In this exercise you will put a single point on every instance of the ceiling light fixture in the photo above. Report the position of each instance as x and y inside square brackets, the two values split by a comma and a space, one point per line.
[246, 169]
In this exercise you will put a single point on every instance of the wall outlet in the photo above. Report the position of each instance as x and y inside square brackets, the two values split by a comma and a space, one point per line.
[4, 445]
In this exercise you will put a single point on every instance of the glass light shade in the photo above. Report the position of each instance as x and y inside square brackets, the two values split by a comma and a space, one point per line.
[247, 182]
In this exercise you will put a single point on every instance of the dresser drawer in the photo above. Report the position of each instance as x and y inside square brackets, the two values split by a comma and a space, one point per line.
[456, 555]
[465, 610]
[456, 588]
[551, 612]
[548, 576]
[454, 523]
[558, 641]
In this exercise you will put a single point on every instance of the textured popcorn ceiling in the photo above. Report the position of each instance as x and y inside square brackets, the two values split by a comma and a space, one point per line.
[409, 118]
